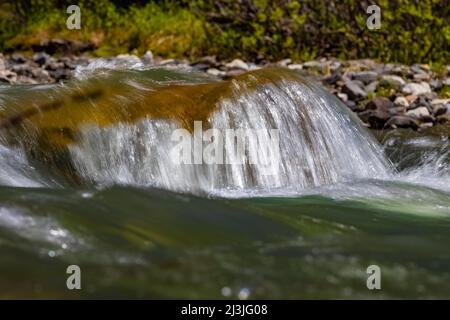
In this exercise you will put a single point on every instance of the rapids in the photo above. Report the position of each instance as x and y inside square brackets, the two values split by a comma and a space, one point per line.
[87, 177]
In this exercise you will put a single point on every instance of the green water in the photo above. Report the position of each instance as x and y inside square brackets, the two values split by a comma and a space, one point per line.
[139, 243]
[142, 242]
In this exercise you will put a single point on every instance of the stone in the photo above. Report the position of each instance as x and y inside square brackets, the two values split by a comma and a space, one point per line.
[237, 64]
[439, 110]
[443, 119]
[353, 90]
[61, 74]
[401, 101]
[417, 88]
[365, 76]
[446, 82]
[41, 75]
[379, 103]
[422, 77]
[313, 64]
[131, 58]
[295, 66]
[418, 112]
[41, 58]
[352, 105]
[371, 87]
[401, 122]
[18, 58]
[148, 57]
[2, 63]
[378, 119]
[425, 125]
[54, 65]
[439, 101]
[393, 80]
[284, 62]
[8, 76]
[333, 78]
[216, 72]
[342, 96]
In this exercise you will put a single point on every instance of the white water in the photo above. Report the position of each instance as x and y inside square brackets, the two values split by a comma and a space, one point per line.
[321, 144]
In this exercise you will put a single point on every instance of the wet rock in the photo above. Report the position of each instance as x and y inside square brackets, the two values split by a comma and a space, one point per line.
[365, 76]
[41, 75]
[401, 122]
[417, 88]
[205, 63]
[284, 62]
[232, 73]
[353, 90]
[61, 74]
[237, 64]
[295, 66]
[313, 65]
[148, 57]
[401, 101]
[25, 80]
[41, 58]
[129, 58]
[8, 76]
[216, 72]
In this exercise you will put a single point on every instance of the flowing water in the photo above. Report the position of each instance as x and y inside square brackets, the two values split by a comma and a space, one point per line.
[87, 178]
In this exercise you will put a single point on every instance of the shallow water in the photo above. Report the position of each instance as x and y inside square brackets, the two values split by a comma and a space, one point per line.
[140, 229]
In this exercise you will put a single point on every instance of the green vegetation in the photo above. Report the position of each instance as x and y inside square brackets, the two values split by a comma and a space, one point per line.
[411, 31]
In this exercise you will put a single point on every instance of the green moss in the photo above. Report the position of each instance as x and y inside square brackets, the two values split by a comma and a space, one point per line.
[444, 92]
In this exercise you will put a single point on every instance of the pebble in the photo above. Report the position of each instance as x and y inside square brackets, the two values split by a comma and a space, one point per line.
[417, 88]
[418, 112]
[401, 101]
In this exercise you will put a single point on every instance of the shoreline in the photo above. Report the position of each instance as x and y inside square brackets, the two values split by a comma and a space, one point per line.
[382, 95]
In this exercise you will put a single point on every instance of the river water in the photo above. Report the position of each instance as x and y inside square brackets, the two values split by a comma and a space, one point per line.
[340, 199]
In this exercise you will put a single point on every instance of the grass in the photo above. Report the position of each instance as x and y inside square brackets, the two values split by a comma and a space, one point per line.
[412, 31]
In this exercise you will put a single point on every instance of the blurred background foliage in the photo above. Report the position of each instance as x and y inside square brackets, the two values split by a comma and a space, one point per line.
[411, 30]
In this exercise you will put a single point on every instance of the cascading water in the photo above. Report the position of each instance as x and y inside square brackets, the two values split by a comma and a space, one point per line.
[320, 142]
[88, 177]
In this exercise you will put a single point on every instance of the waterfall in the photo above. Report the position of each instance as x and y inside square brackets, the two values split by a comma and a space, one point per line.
[319, 141]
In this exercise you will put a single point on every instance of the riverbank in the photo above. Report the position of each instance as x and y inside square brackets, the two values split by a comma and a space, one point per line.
[384, 96]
